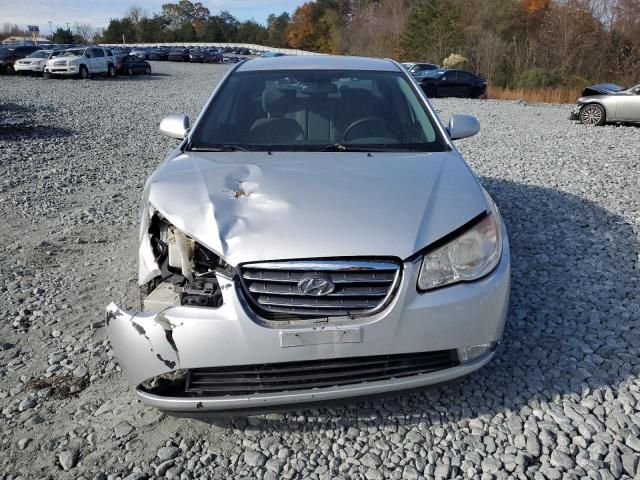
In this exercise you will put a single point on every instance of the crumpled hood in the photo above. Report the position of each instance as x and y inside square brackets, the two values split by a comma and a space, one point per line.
[257, 206]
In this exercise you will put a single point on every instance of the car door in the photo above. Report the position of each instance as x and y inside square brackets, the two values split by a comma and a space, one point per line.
[463, 84]
[89, 56]
[100, 60]
[446, 85]
[628, 106]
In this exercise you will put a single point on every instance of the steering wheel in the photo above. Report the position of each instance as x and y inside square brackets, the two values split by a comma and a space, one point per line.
[366, 120]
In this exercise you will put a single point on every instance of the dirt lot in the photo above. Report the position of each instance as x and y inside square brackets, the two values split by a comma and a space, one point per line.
[561, 398]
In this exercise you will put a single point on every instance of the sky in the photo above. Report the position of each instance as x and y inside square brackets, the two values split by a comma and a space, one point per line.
[99, 12]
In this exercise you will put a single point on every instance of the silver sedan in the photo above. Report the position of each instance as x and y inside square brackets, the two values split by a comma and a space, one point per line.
[607, 103]
[315, 236]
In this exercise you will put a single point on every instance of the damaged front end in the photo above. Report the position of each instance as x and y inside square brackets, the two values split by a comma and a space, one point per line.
[183, 271]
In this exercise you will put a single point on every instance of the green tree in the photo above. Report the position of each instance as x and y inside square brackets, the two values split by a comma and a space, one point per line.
[277, 28]
[120, 30]
[430, 33]
[251, 31]
[177, 14]
[62, 35]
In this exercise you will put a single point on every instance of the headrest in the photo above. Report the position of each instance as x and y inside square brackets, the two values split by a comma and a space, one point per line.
[277, 102]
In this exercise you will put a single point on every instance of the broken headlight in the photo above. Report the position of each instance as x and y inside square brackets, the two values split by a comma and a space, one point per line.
[470, 256]
[187, 270]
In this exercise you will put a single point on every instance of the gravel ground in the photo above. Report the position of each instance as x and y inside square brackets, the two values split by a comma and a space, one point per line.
[561, 399]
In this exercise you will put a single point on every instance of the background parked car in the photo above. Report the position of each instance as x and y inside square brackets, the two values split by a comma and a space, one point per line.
[452, 83]
[608, 102]
[83, 62]
[142, 53]
[9, 55]
[158, 54]
[212, 55]
[196, 55]
[178, 55]
[132, 64]
[416, 68]
[35, 62]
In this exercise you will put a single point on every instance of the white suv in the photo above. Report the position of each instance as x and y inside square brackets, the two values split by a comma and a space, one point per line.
[83, 62]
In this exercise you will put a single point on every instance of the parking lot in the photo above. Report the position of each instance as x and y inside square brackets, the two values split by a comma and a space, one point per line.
[561, 398]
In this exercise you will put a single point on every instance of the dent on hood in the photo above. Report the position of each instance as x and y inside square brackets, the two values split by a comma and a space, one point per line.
[205, 213]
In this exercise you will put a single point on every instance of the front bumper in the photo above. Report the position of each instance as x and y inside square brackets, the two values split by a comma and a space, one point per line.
[181, 338]
[36, 68]
[62, 70]
[575, 113]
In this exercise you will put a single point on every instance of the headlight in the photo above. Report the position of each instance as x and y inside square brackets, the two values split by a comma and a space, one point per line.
[470, 256]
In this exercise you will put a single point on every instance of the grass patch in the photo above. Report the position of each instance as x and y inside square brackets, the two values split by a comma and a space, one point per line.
[543, 95]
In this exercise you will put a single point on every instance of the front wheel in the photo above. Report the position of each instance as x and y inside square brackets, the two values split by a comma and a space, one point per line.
[147, 71]
[593, 114]
[431, 91]
[111, 71]
[130, 71]
[84, 72]
[46, 75]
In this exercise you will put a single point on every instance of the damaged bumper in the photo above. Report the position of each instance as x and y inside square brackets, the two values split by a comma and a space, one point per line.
[575, 113]
[161, 352]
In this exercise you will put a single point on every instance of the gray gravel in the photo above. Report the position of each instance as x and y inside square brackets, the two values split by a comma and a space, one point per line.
[561, 399]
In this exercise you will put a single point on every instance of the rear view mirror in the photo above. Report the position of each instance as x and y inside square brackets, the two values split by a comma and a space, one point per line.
[463, 126]
[175, 126]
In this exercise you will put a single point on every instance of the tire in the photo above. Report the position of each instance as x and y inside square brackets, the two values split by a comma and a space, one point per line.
[593, 115]
[46, 75]
[111, 71]
[83, 72]
[130, 71]
[431, 91]
[9, 70]
[147, 71]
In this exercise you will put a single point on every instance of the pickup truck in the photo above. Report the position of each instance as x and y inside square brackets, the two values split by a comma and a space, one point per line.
[82, 62]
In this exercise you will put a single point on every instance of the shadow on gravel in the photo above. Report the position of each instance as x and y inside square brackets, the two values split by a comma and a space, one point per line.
[569, 329]
[18, 122]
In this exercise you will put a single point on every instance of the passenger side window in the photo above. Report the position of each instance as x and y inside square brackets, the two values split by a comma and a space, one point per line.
[464, 76]
[98, 52]
[89, 53]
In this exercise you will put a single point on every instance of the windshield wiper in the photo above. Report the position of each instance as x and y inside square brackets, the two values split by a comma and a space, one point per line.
[339, 147]
[221, 148]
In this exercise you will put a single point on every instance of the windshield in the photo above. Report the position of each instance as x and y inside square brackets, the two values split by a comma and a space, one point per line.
[40, 54]
[74, 52]
[305, 110]
[4, 52]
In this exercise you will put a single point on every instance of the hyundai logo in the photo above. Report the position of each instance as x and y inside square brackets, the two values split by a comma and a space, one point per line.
[316, 285]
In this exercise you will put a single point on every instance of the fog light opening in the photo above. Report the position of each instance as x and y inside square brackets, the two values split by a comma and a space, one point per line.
[466, 354]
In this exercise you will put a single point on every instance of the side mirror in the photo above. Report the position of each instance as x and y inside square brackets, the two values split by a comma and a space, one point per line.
[175, 126]
[463, 126]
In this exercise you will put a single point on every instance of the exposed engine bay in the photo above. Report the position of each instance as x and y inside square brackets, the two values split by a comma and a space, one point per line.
[188, 270]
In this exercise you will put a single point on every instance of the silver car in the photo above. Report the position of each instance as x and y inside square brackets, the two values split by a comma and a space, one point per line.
[315, 236]
[607, 102]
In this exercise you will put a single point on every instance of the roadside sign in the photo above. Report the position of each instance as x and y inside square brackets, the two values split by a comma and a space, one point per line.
[34, 28]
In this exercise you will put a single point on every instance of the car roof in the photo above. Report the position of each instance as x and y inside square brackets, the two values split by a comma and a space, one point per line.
[318, 62]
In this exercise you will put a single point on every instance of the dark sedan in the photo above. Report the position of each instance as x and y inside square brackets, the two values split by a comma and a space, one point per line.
[131, 65]
[452, 83]
[178, 55]
[11, 53]
[213, 56]
[158, 54]
[196, 55]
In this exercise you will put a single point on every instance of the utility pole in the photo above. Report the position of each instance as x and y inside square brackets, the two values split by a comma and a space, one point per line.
[50, 29]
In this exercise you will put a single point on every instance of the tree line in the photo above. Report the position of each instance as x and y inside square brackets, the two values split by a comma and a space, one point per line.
[523, 43]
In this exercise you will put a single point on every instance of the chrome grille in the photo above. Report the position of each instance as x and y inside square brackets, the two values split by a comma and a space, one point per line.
[357, 287]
